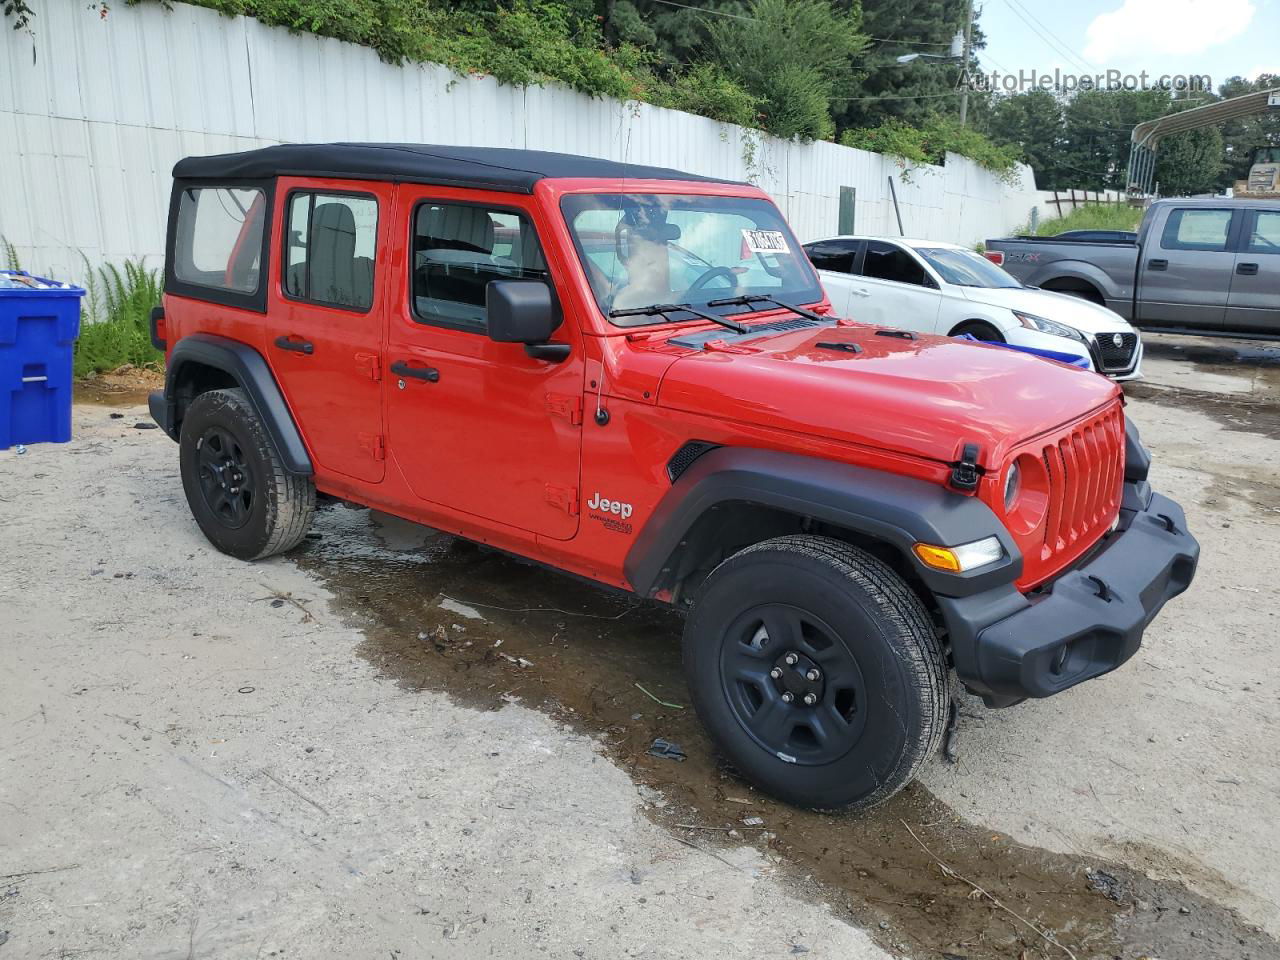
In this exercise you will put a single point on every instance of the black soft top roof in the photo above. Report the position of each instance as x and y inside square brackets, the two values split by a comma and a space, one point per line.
[491, 168]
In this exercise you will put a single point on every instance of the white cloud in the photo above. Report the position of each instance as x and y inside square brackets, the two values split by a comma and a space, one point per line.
[1256, 72]
[1155, 27]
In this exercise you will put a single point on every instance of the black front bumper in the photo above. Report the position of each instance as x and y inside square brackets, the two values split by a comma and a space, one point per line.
[1008, 646]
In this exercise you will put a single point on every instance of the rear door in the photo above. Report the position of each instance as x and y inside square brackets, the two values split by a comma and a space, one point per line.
[479, 427]
[894, 290]
[325, 329]
[1185, 274]
[1254, 302]
[836, 260]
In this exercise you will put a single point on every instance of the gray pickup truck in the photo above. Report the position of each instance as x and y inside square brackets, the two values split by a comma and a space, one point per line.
[1208, 266]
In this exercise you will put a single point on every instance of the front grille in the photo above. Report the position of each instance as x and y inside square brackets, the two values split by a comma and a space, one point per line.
[1085, 464]
[1116, 358]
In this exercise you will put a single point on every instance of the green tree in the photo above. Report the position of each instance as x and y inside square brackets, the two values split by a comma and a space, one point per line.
[1035, 122]
[882, 88]
[792, 56]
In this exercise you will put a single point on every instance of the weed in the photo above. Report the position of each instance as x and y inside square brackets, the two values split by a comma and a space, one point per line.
[117, 324]
[1095, 216]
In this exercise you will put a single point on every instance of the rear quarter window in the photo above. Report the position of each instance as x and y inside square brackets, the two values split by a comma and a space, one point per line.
[217, 242]
[1204, 230]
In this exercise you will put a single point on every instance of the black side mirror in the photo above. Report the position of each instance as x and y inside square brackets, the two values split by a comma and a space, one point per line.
[525, 311]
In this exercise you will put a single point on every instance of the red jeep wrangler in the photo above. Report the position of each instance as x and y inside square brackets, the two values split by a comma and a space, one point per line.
[632, 374]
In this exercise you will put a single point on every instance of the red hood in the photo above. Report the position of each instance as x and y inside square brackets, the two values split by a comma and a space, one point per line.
[925, 397]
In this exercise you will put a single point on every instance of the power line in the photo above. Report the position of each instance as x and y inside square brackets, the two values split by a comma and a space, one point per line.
[916, 96]
[1045, 34]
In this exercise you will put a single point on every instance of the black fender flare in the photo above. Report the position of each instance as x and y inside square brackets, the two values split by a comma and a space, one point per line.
[897, 510]
[249, 369]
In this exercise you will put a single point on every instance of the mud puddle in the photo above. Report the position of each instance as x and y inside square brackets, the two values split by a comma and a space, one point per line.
[1257, 413]
[440, 614]
[1211, 352]
[103, 394]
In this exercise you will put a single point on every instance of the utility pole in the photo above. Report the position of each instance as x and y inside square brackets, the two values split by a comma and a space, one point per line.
[964, 63]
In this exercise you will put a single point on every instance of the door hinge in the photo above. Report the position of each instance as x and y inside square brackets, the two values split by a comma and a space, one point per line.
[374, 444]
[564, 498]
[369, 364]
[562, 405]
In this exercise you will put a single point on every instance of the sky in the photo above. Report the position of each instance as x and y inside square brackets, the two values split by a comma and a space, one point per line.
[1220, 38]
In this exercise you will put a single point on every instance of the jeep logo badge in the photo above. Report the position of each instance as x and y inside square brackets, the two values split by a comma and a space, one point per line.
[1117, 340]
[605, 505]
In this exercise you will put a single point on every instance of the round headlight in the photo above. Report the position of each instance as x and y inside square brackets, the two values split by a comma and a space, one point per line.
[1012, 487]
[1026, 494]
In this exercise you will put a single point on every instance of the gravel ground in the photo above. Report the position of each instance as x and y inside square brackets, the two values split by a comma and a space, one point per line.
[199, 762]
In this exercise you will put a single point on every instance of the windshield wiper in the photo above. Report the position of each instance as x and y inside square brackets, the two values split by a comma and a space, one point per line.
[663, 309]
[748, 299]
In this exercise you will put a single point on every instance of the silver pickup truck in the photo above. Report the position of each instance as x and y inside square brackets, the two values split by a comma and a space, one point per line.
[1208, 266]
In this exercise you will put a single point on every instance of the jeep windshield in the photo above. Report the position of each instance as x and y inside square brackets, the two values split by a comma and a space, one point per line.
[642, 250]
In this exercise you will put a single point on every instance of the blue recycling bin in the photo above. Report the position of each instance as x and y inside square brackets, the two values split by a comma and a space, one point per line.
[39, 323]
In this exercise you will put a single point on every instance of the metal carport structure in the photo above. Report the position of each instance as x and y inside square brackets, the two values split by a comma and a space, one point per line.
[1147, 135]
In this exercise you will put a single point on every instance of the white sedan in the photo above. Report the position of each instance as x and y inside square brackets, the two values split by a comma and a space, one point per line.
[943, 288]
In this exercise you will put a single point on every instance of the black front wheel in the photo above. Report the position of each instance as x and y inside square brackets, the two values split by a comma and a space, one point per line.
[817, 672]
[241, 496]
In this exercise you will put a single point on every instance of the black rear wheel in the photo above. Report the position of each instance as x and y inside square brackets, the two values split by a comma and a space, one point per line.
[817, 672]
[241, 496]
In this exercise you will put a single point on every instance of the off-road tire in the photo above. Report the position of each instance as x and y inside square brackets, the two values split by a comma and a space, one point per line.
[980, 329]
[279, 511]
[882, 626]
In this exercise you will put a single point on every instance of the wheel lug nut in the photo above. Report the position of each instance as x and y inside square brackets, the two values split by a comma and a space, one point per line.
[810, 699]
[812, 675]
[787, 697]
[776, 672]
[791, 659]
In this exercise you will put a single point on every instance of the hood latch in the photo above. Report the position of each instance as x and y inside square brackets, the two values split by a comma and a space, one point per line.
[965, 472]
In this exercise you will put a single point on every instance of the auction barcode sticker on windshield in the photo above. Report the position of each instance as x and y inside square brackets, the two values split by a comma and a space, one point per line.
[765, 241]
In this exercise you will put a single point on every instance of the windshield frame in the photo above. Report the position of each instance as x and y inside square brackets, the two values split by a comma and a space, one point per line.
[926, 254]
[695, 193]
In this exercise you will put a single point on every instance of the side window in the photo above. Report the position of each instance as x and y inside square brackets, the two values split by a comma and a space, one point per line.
[219, 238]
[885, 261]
[330, 245]
[1265, 235]
[457, 249]
[835, 255]
[1191, 229]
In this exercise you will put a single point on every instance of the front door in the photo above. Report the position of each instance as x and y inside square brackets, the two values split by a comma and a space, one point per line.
[324, 335]
[476, 426]
[1185, 272]
[895, 290]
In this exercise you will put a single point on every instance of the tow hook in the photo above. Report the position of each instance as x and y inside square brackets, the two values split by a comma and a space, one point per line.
[965, 472]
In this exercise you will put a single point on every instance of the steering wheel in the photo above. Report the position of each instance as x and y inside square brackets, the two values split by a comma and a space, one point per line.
[709, 275]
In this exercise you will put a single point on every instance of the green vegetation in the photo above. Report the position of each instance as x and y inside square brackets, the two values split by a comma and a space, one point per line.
[930, 143]
[1092, 217]
[10, 254]
[117, 319]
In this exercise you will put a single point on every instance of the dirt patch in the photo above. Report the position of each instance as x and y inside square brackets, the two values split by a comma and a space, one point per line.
[440, 614]
[1247, 413]
[125, 386]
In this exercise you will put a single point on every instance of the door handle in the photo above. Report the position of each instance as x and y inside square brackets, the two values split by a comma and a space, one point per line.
[861, 292]
[1247, 269]
[401, 368]
[1157, 264]
[297, 346]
